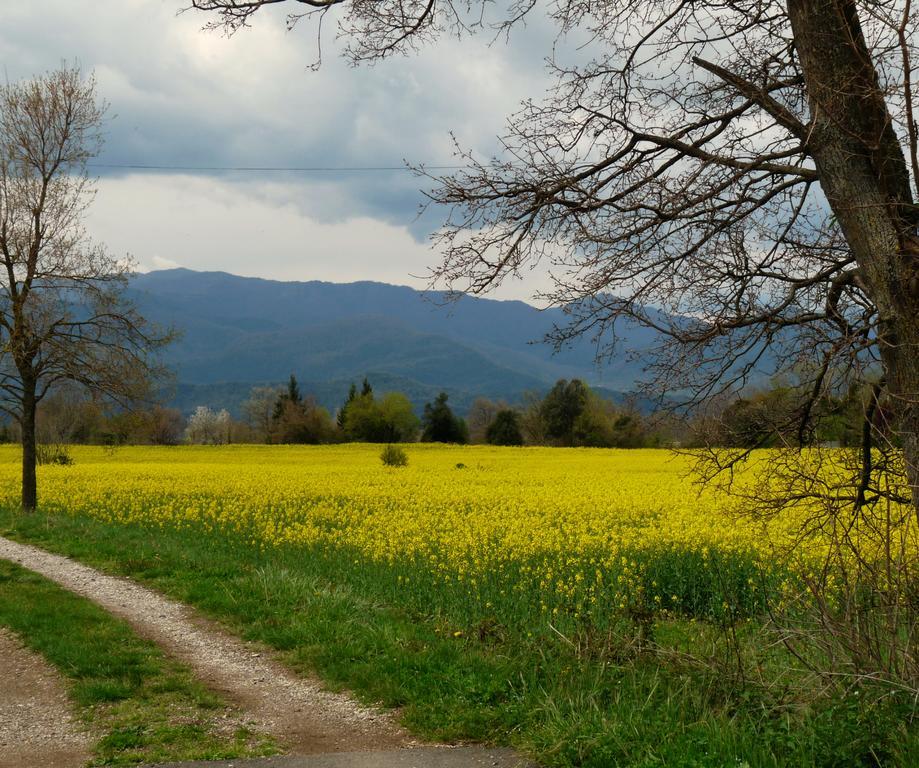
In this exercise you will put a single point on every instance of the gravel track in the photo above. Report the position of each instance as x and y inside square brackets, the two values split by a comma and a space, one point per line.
[37, 728]
[297, 711]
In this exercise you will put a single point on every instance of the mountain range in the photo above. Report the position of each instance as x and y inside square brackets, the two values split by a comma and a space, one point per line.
[238, 332]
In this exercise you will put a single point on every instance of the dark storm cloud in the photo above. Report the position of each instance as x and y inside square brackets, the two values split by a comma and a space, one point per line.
[183, 97]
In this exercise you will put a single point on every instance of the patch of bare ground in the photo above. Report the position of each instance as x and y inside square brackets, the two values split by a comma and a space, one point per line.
[37, 727]
[297, 711]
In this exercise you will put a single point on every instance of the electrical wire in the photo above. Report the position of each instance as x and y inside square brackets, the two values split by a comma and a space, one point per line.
[268, 168]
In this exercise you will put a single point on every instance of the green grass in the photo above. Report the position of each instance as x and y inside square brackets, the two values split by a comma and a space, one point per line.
[142, 706]
[585, 699]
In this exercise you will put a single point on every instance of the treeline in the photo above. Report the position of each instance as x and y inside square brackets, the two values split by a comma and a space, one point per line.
[67, 417]
[271, 415]
[784, 415]
[289, 417]
[569, 414]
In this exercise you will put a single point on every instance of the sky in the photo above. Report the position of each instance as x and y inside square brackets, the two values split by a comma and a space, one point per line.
[182, 96]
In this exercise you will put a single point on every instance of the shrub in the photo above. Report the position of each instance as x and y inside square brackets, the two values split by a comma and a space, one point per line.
[394, 456]
[53, 454]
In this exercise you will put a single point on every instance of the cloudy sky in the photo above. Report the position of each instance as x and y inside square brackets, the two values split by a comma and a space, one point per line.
[180, 96]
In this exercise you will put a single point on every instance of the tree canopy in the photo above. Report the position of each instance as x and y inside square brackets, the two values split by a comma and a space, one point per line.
[505, 429]
[389, 419]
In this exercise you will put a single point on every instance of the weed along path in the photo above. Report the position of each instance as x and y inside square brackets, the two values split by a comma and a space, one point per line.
[36, 724]
[317, 728]
[304, 718]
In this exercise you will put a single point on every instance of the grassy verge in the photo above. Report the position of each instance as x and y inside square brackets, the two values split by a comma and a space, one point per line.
[143, 707]
[567, 701]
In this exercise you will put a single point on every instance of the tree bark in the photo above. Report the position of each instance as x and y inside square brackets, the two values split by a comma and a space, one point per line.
[27, 423]
[907, 373]
[865, 178]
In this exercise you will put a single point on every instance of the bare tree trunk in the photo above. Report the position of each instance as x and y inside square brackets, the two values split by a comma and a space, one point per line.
[907, 373]
[27, 421]
[864, 175]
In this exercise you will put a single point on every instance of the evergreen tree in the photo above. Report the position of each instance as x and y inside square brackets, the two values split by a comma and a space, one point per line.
[352, 395]
[440, 425]
[366, 389]
[288, 399]
[293, 390]
[505, 429]
[562, 407]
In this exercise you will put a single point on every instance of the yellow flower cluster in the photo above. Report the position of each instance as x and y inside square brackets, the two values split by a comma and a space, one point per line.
[573, 524]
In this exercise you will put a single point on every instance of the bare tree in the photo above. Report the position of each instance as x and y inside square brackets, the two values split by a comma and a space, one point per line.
[747, 166]
[481, 414]
[63, 314]
[163, 426]
[260, 408]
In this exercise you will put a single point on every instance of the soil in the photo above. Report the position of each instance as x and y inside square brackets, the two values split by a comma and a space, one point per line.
[422, 757]
[297, 711]
[37, 727]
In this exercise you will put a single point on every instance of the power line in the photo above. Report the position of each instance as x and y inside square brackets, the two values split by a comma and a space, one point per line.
[270, 168]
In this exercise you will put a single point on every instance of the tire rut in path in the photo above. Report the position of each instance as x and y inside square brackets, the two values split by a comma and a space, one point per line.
[297, 711]
[37, 728]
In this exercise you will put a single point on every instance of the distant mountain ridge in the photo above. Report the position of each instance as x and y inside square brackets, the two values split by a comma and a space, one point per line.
[239, 331]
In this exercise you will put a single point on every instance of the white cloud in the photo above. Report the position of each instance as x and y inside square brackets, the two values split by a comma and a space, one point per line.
[261, 231]
[158, 262]
[182, 96]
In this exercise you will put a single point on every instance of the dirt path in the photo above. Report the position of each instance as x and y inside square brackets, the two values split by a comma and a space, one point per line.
[295, 710]
[37, 729]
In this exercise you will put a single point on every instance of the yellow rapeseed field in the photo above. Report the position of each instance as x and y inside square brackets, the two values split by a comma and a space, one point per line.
[578, 531]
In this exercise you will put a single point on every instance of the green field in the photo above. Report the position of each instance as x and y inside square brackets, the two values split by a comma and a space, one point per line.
[472, 658]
